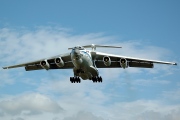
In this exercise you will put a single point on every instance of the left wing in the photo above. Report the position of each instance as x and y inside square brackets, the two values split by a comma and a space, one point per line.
[131, 61]
[35, 65]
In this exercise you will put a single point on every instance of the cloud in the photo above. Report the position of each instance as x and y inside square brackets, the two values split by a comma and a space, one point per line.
[23, 45]
[5, 78]
[54, 94]
[47, 41]
[144, 109]
[82, 115]
[139, 109]
[104, 102]
[172, 96]
[18, 118]
[42, 42]
[146, 82]
[29, 104]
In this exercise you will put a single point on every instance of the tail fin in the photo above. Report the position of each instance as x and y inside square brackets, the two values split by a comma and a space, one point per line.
[93, 46]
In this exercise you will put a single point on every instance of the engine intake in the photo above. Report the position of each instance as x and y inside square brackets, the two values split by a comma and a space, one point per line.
[107, 60]
[59, 62]
[44, 64]
[123, 63]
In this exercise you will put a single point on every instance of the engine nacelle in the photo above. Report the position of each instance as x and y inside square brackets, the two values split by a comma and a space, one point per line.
[44, 64]
[59, 62]
[107, 60]
[123, 63]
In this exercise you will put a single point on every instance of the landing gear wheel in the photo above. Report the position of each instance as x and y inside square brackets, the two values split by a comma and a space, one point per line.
[100, 79]
[75, 80]
[71, 79]
[97, 79]
[78, 80]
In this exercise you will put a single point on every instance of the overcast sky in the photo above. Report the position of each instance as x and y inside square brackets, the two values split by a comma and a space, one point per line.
[31, 30]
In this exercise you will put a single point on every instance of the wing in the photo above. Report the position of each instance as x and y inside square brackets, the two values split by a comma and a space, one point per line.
[131, 61]
[35, 65]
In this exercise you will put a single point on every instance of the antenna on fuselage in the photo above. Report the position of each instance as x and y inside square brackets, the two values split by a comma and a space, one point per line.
[93, 46]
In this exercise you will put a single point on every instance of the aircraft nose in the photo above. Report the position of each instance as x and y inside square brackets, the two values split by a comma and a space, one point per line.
[76, 52]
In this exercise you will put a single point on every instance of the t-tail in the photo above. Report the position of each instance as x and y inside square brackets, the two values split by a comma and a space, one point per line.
[93, 46]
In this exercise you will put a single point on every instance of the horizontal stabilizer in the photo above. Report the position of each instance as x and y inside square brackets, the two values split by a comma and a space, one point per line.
[93, 46]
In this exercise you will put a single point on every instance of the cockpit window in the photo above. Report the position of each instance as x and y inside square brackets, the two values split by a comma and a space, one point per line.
[79, 47]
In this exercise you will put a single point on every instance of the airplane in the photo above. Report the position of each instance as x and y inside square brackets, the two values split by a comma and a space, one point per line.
[85, 63]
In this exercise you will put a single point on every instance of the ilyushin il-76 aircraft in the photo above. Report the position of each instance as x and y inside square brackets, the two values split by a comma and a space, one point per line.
[85, 63]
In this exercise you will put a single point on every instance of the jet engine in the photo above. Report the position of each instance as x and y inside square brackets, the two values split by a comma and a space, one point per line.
[107, 60]
[44, 64]
[59, 62]
[123, 63]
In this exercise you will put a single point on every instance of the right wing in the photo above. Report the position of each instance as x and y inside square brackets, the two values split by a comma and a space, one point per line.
[35, 65]
[132, 62]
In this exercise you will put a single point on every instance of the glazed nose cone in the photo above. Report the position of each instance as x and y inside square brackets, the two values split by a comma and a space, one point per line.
[76, 52]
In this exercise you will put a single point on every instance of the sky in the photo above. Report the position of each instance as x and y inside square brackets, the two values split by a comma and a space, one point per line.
[31, 30]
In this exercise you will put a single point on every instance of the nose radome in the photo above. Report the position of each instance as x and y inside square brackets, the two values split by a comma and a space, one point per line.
[76, 51]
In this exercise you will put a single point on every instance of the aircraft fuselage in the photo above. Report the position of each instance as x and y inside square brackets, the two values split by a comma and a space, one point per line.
[83, 64]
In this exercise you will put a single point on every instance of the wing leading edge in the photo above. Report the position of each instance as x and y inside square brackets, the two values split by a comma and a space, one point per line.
[97, 56]
[35, 65]
[132, 62]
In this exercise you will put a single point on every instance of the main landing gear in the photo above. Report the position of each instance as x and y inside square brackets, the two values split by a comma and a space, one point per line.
[78, 80]
[75, 79]
[97, 79]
